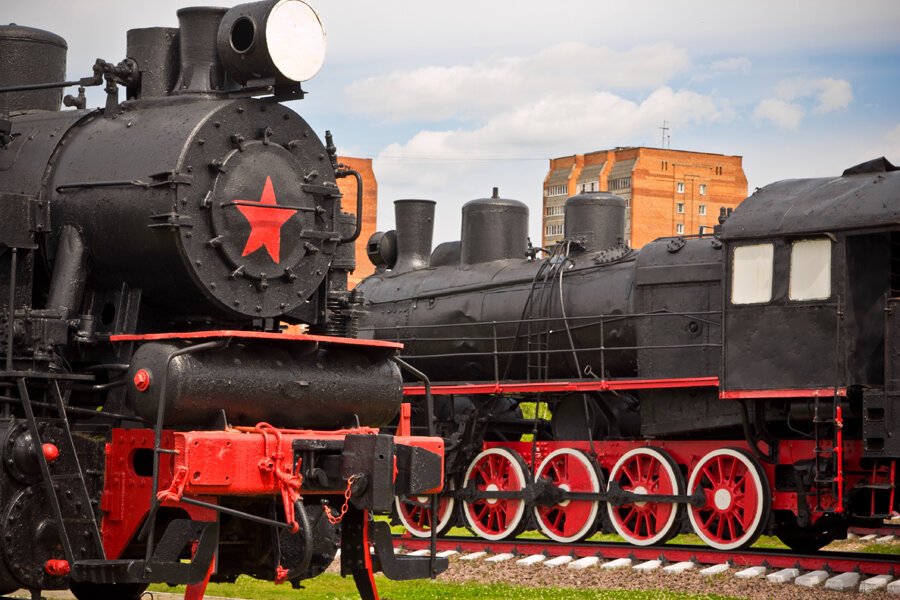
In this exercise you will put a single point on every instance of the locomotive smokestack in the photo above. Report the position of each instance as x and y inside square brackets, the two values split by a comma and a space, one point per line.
[415, 229]
[201, 69]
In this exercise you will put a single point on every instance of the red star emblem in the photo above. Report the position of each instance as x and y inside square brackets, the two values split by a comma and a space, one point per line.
[265, 222]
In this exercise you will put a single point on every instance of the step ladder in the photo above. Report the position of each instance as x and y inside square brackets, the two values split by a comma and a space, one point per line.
[829, 463]
[63, 480]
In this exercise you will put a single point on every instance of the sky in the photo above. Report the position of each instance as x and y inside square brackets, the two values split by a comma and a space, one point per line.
[451, 99]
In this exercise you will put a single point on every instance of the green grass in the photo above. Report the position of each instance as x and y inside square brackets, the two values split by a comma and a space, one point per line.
[333, 587]
[881, 549]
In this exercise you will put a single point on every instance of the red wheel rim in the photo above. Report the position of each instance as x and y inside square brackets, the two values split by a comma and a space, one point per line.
[415, 514]
[495, 469]
[736, 499]
[645, 471]
[569, 520]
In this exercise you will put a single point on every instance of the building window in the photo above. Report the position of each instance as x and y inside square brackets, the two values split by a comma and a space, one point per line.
[702, 189]
[679, 208]
[680, 187]
[557, 190]
[702, 209]
[622, 183]
[718, 170]
[665, 165]
[554, 229]
[679, 228]
[554, 211]
[810, 270]
[751, 274]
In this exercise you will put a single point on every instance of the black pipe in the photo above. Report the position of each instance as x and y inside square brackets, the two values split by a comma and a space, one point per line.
[10, 318]
[306, 529]
[69, 273]
[345, 172]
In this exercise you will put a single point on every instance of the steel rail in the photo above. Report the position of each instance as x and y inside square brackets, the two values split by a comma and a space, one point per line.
[774, 558]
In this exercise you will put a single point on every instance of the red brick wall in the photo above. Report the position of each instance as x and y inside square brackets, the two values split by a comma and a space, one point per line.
[347, 185]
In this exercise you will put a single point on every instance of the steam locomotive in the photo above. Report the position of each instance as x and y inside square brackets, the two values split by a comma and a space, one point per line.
[156, 422]
[727, 384]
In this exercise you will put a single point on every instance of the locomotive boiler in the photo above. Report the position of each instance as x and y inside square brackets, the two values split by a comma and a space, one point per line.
[152, 253]
[725, 384]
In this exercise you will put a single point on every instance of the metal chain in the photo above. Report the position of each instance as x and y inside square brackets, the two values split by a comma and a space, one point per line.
[335, 520]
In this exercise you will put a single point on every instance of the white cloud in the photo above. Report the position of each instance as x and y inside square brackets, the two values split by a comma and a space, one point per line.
[785, 115]
[830, 94]
[563, 122]
[477, 90]
[797, 96]
[732, 64]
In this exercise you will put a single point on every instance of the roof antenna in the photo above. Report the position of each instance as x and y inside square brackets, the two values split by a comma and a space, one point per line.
[665, 128]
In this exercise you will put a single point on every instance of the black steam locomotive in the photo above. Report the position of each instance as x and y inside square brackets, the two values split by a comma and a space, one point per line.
[728, 384]
[152, 409]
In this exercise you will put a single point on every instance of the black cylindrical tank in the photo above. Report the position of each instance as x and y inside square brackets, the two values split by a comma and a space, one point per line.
[286, 385]
[493, 229]
[29, 56]
[597, 218]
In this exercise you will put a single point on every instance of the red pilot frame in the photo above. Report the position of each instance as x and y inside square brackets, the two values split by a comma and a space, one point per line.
[201, 471]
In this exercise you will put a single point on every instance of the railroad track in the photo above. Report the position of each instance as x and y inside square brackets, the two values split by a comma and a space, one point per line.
[826, 565]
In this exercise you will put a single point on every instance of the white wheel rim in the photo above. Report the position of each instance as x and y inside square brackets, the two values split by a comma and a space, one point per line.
[595, 488]
[512, 523]
[666, 465]
[755, 478]
[415, 530]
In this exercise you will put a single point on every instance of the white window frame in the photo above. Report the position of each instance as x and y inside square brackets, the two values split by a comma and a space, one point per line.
[679, 208]
[702, 189]
[752, 270]
[701, 209]
[679, 228]
[810, 277]
[679, 187]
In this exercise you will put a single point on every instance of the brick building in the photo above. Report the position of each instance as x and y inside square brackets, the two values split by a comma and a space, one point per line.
[347, 185]
[668, 192]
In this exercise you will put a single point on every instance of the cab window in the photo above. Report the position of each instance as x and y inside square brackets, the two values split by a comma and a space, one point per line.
[752, 274]
[810, 270]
